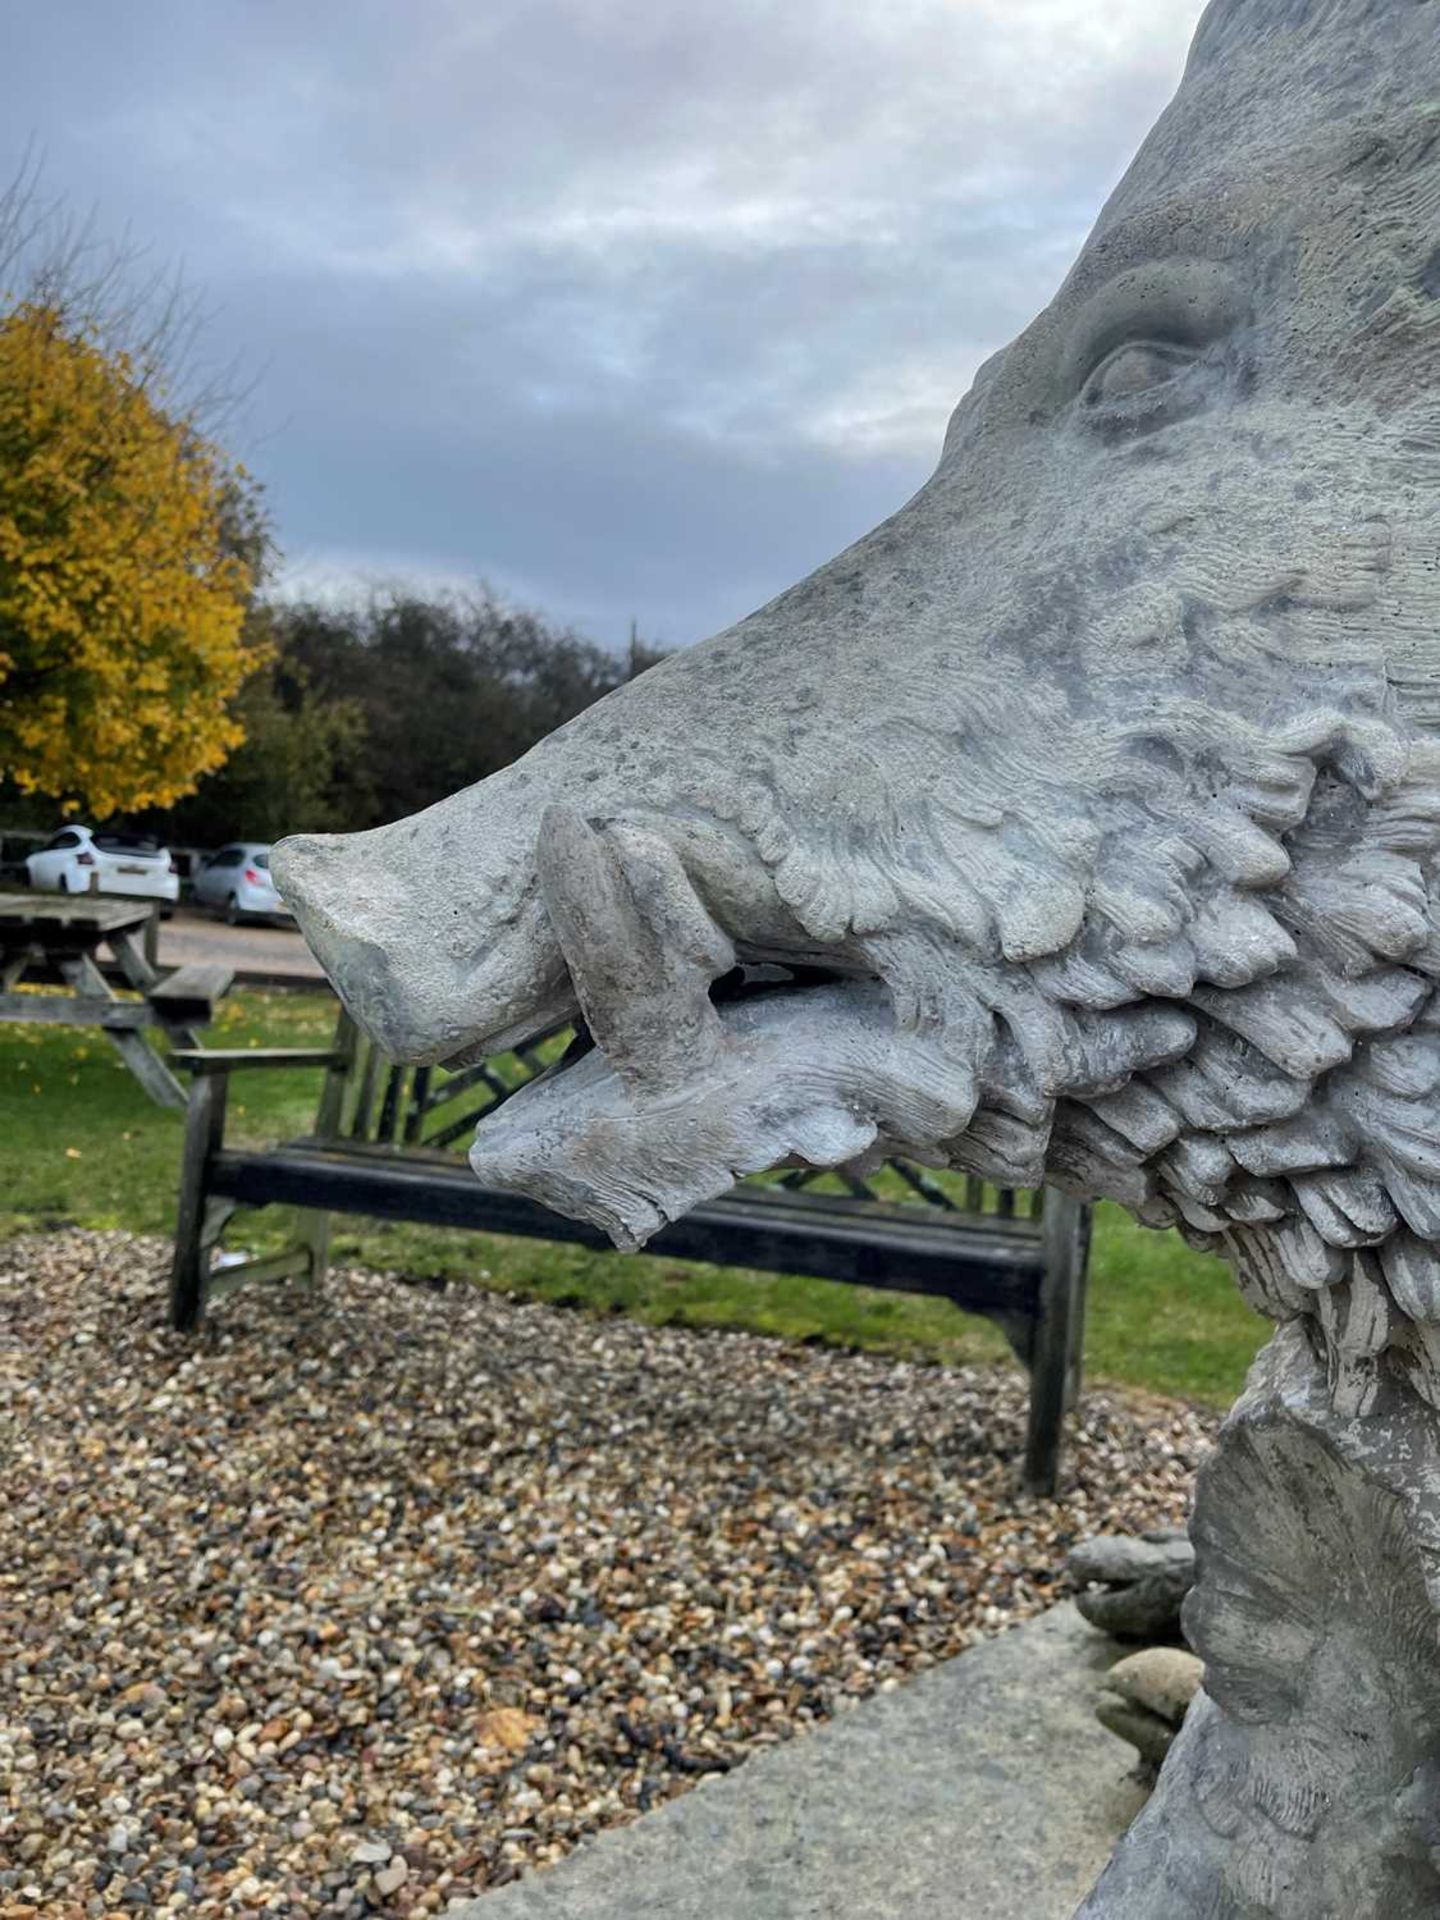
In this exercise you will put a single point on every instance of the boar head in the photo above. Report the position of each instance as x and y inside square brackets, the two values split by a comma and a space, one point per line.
[1075, 822]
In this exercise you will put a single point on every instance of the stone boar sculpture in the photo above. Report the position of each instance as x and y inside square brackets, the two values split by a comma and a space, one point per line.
[1078, 823]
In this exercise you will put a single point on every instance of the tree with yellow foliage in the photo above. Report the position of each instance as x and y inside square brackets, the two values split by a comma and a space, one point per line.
[130, 548]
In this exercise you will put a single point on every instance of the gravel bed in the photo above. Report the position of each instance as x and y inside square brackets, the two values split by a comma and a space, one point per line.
[370, 1604]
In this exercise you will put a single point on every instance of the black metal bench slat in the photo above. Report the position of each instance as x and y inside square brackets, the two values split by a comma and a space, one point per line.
[951, 1223]
[761, 1228]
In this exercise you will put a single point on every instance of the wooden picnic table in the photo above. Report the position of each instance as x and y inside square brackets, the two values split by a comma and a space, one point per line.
[49, 938]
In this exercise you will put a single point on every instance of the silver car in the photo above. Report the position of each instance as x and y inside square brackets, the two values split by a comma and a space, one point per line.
[236, 882]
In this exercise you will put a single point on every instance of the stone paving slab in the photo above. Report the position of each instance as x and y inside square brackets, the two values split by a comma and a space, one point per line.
[982, 1790]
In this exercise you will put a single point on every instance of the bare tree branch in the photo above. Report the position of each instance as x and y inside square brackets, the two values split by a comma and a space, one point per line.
[111, 289]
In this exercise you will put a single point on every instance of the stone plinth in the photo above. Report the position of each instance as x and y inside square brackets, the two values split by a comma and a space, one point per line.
[984, 1790]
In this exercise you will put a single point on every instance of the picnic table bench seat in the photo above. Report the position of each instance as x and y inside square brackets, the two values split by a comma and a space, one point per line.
[187, 995]
[383, 1147]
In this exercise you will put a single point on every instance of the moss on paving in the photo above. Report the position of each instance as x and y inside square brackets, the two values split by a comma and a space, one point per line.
[80, 1142]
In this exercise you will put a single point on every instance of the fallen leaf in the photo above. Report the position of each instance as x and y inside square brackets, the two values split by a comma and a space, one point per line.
[507, 1728]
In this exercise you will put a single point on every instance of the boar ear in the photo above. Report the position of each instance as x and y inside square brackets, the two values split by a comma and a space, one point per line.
[641, 949]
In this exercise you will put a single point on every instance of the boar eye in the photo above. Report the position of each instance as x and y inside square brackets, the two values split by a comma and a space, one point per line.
[1152, 346]
[1133, 369]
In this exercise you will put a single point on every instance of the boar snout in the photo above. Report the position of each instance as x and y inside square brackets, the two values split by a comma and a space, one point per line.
[428, 959]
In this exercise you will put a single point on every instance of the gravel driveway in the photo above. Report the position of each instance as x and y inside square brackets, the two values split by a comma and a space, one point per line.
[254, 947]
[371, 1606]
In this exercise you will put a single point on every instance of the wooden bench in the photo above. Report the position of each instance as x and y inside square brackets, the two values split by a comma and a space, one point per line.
[384, 1146]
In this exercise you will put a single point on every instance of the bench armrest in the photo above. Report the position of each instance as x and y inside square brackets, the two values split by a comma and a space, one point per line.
[210, 1060]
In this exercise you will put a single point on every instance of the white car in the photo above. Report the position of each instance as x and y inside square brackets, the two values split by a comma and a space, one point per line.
[236, 881]
[93, 860]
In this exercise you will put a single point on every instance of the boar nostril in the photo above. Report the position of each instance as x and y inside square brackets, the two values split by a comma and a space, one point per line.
[299, 862]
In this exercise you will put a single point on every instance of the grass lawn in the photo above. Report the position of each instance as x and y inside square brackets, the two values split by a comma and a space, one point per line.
[80, 1142]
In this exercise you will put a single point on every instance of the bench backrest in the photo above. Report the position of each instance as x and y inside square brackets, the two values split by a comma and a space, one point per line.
[380, 1103]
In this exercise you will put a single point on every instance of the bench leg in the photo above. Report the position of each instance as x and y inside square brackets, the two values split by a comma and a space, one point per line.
[1059, 1331]
[314, 1226]
[1075, 1373]
[148, 1068]
[314, 1234]
[204, 1127]
[81, 973]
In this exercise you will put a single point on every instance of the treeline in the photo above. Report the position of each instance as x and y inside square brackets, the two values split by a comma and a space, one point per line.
[367, 712]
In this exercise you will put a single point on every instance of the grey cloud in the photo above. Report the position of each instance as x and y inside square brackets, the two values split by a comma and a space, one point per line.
[639, 309]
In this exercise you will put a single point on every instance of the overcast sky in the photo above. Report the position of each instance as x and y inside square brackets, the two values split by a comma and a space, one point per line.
[632, 307]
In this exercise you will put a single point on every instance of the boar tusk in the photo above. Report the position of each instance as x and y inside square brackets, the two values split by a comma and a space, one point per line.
[641, 949]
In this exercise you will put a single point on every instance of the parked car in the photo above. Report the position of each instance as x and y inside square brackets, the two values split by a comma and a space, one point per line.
[236, 882]
[96, 860]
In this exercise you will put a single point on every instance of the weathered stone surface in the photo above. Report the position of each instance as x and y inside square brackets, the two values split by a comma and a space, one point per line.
[1304, 1782]
[983, 1790]
[1092, 804]
[1145, 1696]
[1132, 1585]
